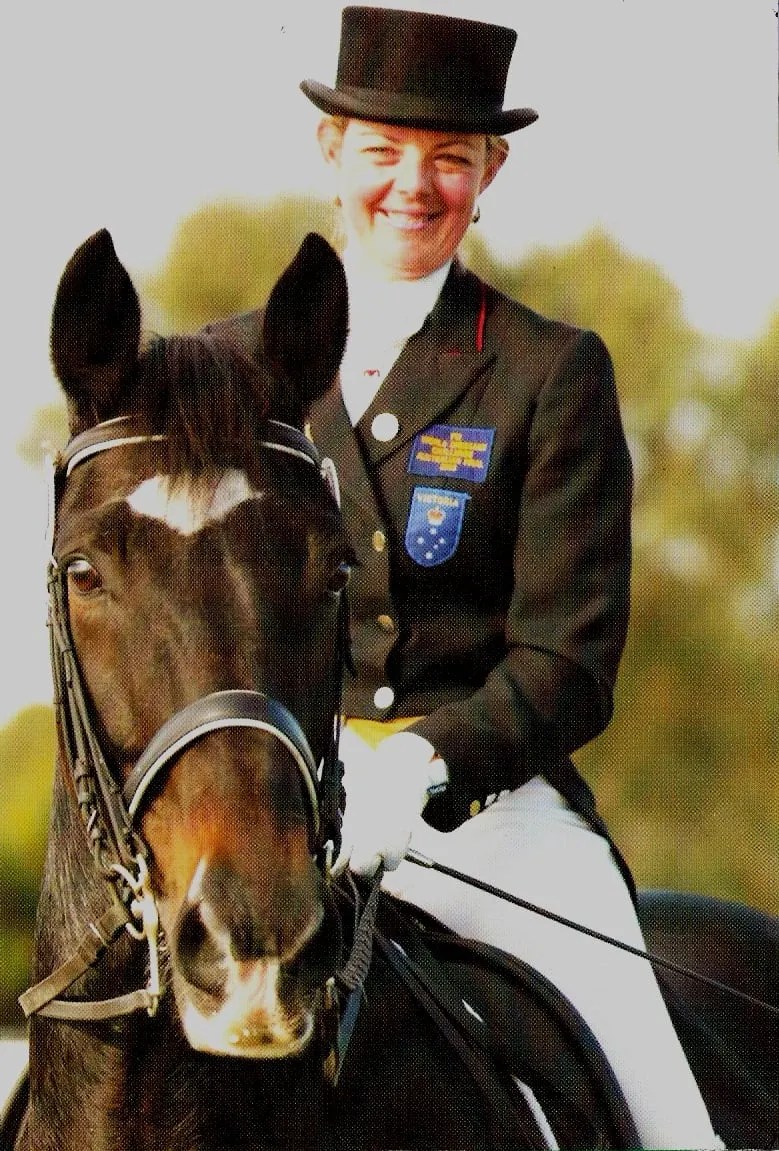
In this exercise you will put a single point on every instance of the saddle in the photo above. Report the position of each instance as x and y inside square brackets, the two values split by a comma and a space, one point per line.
[539, 1068]
[522, 1036]
[730, 1043]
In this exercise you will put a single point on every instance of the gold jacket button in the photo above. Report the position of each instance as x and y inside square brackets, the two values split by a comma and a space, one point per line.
[475, 807]
[379, 541]
[385, 427]
[384, 697]
[386, 622]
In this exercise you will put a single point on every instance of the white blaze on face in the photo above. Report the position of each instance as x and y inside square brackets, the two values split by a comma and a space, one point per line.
[189, 506]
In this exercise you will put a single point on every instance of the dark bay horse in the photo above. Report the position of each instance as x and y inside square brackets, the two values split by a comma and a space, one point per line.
[198, 640]
[199, 637]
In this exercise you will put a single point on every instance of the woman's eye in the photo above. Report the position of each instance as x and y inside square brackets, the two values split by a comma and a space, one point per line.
[83, 579]
[340, 577]
[452, 160]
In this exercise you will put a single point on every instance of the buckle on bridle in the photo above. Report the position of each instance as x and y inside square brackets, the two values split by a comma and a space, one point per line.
[143, 908]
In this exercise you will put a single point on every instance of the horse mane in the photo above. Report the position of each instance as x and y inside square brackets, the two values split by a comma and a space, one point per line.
[207, 395]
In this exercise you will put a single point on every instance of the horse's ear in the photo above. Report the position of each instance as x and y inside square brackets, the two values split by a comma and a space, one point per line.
[306, 320]
[95, 328]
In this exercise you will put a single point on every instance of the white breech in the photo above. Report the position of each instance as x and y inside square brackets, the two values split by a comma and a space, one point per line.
[532, 844]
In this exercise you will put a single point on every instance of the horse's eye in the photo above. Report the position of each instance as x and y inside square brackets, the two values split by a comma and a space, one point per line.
[83, 579]
[340, 577]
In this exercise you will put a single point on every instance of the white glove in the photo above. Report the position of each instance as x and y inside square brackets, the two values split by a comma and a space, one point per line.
[386, 791]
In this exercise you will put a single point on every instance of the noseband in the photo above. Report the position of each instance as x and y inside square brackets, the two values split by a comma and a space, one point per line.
[213, 712]
[109, 809]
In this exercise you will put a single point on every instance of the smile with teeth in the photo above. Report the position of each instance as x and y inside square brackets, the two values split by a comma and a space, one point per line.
[407, 221]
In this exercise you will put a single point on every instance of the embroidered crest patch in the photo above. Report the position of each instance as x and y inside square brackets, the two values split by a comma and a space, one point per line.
[461, 453]
[435, 521]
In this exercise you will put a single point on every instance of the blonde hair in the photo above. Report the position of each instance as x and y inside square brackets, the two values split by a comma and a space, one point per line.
[497, 144]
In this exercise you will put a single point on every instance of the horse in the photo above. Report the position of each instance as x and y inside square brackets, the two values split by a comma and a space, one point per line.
[201, 979]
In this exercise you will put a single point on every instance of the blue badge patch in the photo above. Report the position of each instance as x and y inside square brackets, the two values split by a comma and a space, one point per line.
[460, 453]
[435, 522]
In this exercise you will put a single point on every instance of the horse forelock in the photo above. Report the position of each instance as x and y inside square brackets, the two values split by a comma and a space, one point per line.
[208, 396]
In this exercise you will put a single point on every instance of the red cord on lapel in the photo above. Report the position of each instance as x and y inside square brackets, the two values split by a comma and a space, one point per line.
[482, 320]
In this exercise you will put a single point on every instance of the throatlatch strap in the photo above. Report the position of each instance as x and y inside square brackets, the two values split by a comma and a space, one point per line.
[97, 1010]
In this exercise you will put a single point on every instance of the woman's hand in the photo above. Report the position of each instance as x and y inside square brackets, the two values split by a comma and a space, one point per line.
[386, 791]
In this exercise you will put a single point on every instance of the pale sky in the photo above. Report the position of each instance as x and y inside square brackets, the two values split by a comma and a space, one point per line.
[658, 120]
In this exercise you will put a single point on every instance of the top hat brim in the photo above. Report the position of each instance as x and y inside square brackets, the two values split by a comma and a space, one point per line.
[416, 111]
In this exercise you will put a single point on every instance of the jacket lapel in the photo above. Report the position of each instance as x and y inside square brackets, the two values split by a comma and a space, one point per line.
[434, 369]
[332, 432]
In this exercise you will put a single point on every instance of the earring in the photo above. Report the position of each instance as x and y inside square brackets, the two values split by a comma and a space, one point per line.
[476, 215]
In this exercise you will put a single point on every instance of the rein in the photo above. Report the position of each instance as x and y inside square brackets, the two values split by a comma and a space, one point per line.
[109, 810]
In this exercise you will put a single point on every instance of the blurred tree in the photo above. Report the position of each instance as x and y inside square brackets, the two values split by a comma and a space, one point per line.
[226, 257]
[687, 771]
[48, 431]
[26, 759]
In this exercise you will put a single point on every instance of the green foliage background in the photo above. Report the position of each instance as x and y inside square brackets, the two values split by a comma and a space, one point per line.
[687, 774]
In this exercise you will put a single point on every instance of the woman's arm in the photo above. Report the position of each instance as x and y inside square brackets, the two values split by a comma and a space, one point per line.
[567, 619]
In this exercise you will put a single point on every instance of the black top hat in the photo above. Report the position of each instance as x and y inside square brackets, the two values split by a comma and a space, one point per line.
[420, 70]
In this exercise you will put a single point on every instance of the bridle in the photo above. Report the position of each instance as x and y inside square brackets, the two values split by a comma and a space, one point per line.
[109, 809]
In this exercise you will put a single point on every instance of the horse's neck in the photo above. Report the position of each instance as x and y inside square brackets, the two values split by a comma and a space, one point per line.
[83, 1106]
[78, 1089]
[146, 1090]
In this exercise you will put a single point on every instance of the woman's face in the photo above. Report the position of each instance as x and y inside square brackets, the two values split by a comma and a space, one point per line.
[408, 194]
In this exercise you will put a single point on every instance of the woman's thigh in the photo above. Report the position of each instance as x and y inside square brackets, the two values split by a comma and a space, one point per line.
[530, 843]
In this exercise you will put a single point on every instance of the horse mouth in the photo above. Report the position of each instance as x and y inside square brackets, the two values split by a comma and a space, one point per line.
[251, 1021]
[250, 1038]
[256, 1042]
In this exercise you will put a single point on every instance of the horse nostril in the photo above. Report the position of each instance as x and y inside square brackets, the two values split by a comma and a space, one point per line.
[208, 940]
[200, 954]
[248, 940]
[226, 926]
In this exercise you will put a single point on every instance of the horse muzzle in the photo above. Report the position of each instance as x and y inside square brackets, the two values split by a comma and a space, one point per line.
[248, 972]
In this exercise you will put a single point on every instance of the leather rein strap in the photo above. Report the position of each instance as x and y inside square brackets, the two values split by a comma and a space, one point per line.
[108, 809]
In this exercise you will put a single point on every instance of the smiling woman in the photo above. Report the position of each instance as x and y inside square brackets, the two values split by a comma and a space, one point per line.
[482, 446]
[408, 195]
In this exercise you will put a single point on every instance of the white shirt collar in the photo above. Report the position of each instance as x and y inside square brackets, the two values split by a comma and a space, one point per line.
[388, 311]
[383, 314]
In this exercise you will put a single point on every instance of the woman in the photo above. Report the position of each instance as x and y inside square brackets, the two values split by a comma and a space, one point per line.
[486, 485]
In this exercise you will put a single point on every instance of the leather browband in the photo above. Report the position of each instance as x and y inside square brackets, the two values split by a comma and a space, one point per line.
[281, 437]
